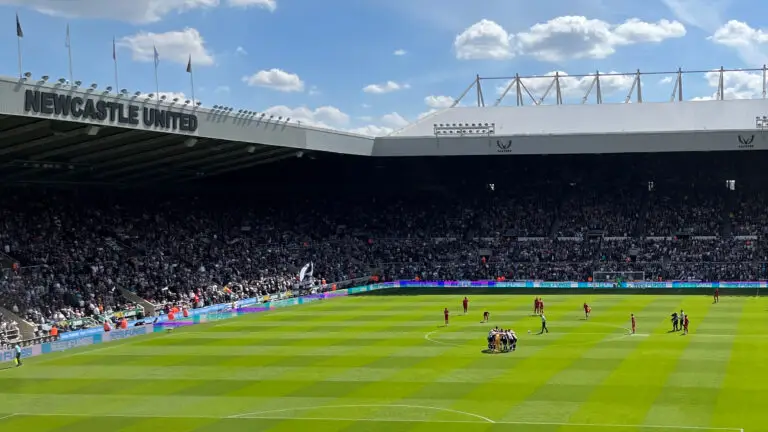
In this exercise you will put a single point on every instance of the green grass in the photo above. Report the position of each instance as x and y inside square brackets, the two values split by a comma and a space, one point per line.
[368, 364]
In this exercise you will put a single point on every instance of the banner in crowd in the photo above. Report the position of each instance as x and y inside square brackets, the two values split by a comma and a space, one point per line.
[97, 335]
[593, 285]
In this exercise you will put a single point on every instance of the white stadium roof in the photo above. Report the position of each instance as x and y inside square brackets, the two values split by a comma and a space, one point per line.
[122, 136]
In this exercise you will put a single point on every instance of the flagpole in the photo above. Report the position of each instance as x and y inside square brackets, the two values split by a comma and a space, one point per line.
[19, 35]
[114, 58]
[21, 74]
[192, 84]
[69, 53]
[157, 83]
[191, 78]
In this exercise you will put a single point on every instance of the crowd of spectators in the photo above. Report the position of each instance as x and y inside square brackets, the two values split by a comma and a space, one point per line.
[73, 252]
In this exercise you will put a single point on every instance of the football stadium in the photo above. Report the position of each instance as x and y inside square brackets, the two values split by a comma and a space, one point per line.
[535, 266]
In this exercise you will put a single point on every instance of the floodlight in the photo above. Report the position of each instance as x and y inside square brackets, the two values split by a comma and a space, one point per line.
[27, 74]
[62, 81]
[109, 88]
[94, 86]
[44, 78]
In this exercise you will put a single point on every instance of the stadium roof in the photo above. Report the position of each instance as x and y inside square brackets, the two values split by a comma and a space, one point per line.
[67, 132]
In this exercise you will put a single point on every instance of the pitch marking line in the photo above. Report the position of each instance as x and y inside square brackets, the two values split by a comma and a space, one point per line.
[7, 417]
[420, 407]
[481, 420]
[428, 337]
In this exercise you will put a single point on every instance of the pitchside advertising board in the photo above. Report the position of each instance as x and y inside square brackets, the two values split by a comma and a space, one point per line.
[67, 106]
[97, 335]
[539, 284]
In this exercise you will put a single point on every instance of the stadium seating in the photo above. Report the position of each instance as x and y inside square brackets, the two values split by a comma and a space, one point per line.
[74, 251]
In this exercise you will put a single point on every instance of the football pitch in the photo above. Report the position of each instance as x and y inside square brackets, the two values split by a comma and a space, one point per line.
[386, 363]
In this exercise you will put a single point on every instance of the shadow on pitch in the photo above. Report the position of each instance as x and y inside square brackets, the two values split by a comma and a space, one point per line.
[490, 351]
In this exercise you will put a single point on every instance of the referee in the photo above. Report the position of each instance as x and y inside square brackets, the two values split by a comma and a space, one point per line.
[543, 324]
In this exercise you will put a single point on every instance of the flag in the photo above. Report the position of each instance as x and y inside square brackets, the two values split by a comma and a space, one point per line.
[189, 64]
[67, 42]
[19, 32]
[157, 57]
[114, 50]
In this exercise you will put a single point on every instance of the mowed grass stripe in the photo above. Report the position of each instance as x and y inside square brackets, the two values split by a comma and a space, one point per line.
[693, 404]
[643, 375]
[552, 399]
[493, 397]
[741, 400]
[436, 378]
[218, 379]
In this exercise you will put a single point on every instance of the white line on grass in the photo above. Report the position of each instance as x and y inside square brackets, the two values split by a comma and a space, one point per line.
[387, 420]
[7, 417]
[428, 337]
[420, 407]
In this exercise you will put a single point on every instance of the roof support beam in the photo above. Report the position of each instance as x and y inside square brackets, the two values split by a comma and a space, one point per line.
[85, 145]
[127, 148]
[39, 142]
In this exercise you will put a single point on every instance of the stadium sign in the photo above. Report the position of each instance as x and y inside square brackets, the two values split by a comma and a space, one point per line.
[92, 109]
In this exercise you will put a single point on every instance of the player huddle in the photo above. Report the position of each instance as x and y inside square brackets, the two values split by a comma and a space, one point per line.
[500, 340]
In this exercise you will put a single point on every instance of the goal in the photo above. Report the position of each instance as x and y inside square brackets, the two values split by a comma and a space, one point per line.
[611, 276]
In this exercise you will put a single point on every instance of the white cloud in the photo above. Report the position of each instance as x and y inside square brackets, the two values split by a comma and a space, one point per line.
[438, 101]
[325, 116]
[738, 34]
[561, 38]
[365, 105]
[241, 51]
[387, 87]
[736, 85]
[666, 80]
[330, 117]
[372, 130]
[484, 40]
[275, 79]
[750, 43]
[222, 90]
[394, 120]
[269, 5]
[400, 52]
[313, 91]
[571, 86]
[427, 113]
[174, 46]
[136, 11]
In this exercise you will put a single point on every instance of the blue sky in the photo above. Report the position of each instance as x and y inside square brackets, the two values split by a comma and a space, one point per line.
[370, 66]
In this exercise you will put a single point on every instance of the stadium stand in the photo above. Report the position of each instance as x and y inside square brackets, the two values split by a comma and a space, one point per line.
[76, 248]
[104, 220]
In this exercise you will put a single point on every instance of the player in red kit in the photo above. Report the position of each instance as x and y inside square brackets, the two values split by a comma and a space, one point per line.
[536, 306]
[685, 325]
[634, 324]
[486, 316]
[541, 306]
[587, 310]
[445, 312]
[465, 303]
[717, 295]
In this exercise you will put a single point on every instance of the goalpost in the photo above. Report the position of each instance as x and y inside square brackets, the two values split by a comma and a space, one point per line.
[612, 276]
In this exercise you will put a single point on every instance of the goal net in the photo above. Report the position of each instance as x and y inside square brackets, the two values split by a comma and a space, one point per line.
[612, 276]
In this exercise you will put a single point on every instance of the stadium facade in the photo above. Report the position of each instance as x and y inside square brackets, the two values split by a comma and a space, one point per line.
[535, 129]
